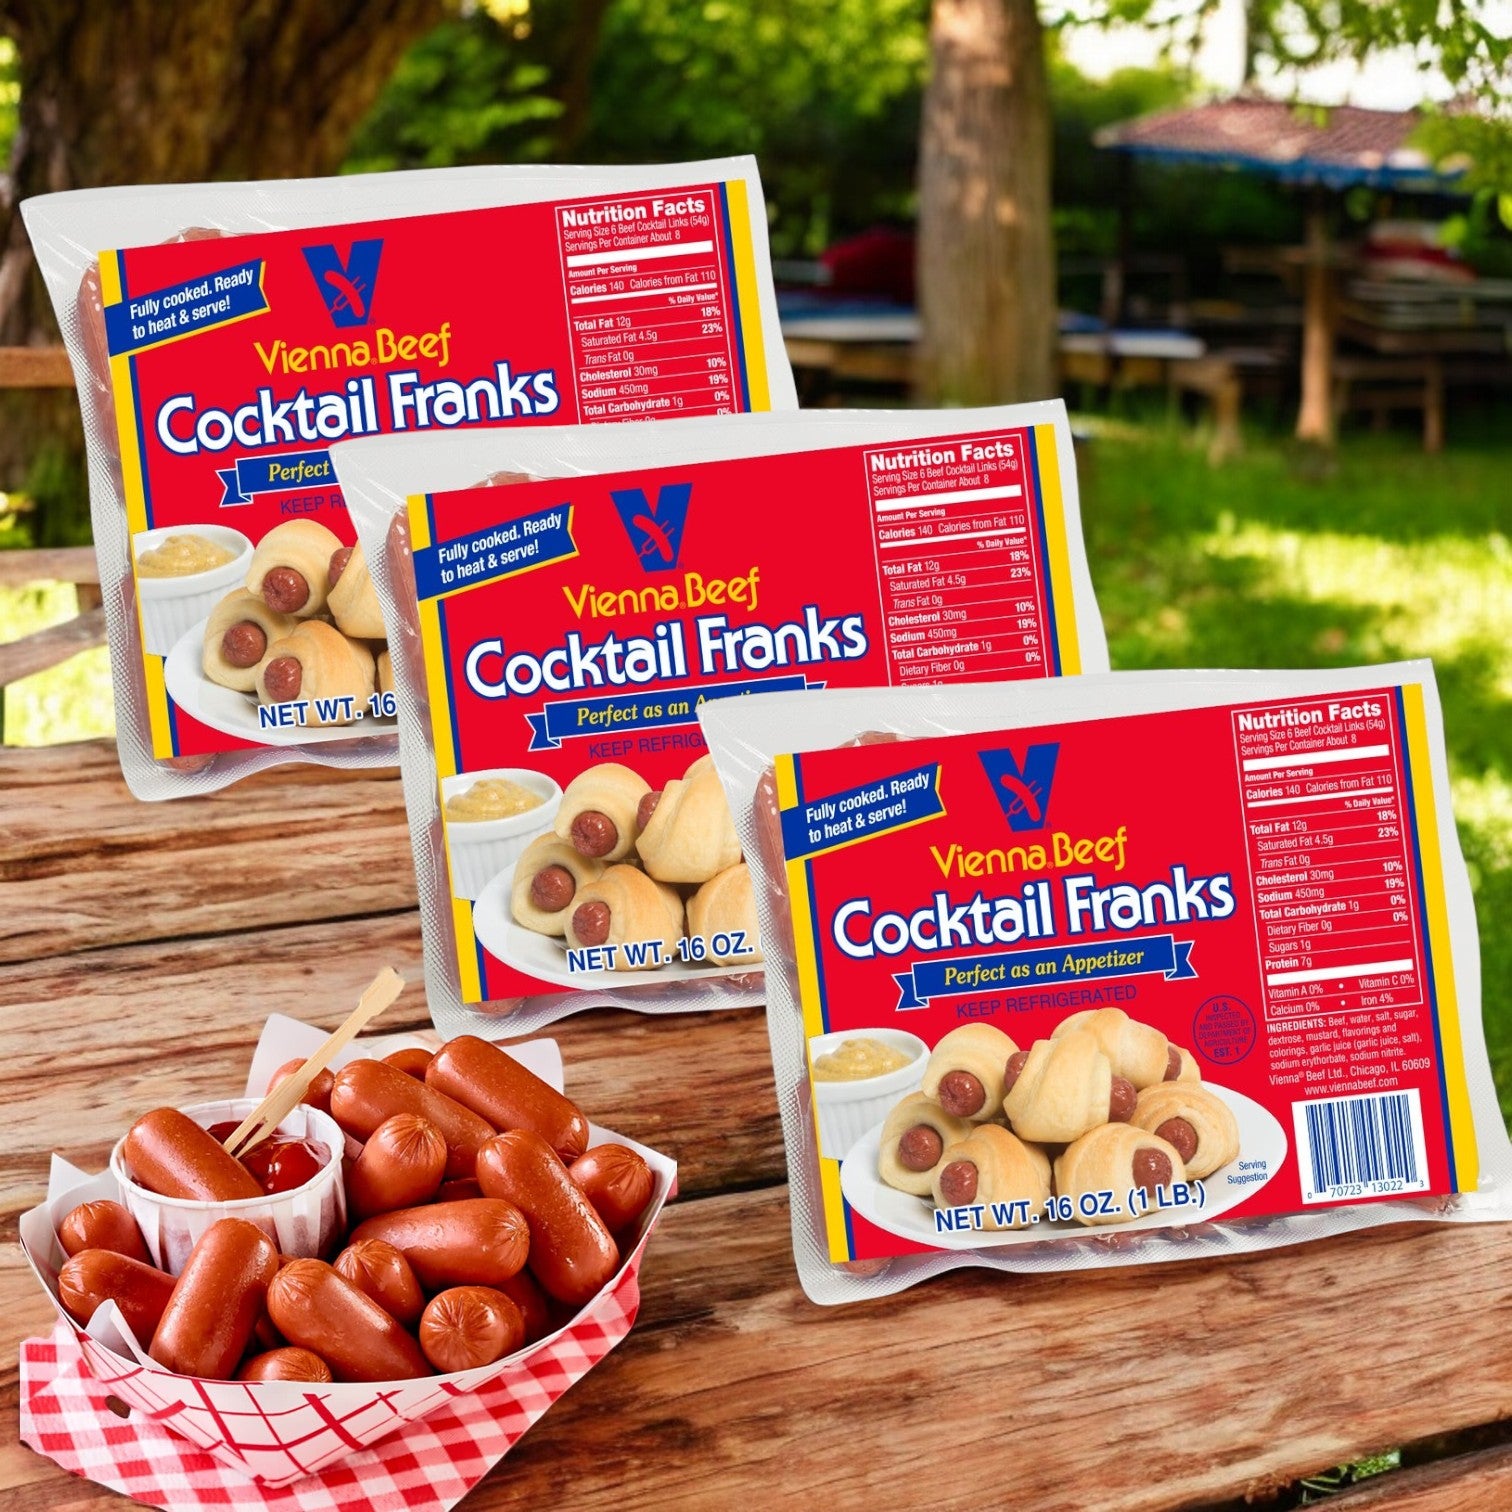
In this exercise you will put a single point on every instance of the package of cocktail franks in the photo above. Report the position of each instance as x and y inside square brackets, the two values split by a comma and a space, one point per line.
[562, 604]
[223, 335]
[1113, 969]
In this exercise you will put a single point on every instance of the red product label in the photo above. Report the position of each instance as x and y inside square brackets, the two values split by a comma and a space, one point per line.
[575, 627]
[236, 361]
[1239, 903]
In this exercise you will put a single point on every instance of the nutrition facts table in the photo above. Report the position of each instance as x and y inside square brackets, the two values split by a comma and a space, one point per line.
[648, 306]
[1331, 868]
[958, 559]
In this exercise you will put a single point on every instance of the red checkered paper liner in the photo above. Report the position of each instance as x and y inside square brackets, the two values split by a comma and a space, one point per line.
[426, 1466]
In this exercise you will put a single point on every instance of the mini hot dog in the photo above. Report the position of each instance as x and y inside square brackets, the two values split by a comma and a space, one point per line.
[317, 1094]
[290, 568]
[168, 1153]
[616, 1181]
[216, 1301]
[411, 1061]
[476, 1242]
[321, 1311]
[401, 1165]
[470, 1326]
[572, 1254]
[482, 1077]
[367, 1092]
[532, 1302]
[598, 812]
[287, 1364]
[96, 1276]
[102, 1225]
[381, 1272]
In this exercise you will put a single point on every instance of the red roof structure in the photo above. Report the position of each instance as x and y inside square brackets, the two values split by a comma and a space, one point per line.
[1337, 148]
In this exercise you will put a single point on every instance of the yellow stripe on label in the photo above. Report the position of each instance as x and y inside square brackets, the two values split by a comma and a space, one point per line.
[1053, 511]
[750, 296]
[158, 722]
[468, 976]
[467, 954]
[430, 645]
[1461, 1118]
[806, 955]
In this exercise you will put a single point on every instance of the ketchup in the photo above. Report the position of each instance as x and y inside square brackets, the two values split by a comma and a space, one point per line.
[280, 1163]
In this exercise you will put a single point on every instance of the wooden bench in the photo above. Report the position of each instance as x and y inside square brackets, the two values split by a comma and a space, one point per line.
[46, 368]
[1379, 385]
[57, 643]
[145, 944]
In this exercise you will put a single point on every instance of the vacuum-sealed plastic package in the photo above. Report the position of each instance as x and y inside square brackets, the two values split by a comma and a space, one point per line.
[1112, 970]
[562, 604]
[233, 331]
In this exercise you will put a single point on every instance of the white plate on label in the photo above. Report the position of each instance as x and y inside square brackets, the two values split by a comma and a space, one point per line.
[545, 956]
[234, 713]
[1261, 1137]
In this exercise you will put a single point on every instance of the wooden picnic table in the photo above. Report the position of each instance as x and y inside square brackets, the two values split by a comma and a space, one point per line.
[145, 944]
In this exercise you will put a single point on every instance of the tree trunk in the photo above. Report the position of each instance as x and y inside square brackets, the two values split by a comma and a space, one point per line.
[986, 246]
[1315, 417]
[143, 92]
[155, 91]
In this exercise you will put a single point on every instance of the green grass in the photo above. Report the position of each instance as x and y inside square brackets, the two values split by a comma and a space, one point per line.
[1273, 561]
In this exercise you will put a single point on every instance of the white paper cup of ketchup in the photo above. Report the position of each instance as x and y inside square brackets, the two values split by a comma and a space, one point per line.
[302, 1222]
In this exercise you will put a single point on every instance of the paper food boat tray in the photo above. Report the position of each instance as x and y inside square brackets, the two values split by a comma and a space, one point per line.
[275, 1432]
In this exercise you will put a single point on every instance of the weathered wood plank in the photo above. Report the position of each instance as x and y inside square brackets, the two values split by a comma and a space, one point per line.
[47, 648]
[35, 367]
[95, 761]
[1465, 1483]
[1127, 1391]
[260, 853]
[139, 1026]
[55, 564]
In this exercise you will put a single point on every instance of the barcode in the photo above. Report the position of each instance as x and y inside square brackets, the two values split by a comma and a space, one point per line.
[1361, 1146]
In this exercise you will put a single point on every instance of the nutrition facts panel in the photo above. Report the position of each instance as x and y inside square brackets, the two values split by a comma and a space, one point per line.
[956, 532]
[1331, 865]
[648, 306]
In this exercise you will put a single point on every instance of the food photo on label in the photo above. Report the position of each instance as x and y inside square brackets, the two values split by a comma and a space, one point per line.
[568, 601]
[421, 1212]
[232, 332]
[1222, 991]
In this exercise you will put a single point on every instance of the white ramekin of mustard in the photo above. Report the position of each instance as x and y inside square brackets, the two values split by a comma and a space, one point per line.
[491, 816]
[182, 573]
[857, 1076]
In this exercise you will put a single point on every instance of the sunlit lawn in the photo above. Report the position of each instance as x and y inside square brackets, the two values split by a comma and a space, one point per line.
[1389, 555]
[1260, 563]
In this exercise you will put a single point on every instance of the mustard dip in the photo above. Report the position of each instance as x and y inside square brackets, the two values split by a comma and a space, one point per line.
[492, 798]
[859, 1060]
[182, 556]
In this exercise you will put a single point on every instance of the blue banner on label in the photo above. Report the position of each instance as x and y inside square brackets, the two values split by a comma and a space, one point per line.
[288, 470]
[859, 813]
[185, 309]
[1144, 955]
[572, 718]
[498, 552]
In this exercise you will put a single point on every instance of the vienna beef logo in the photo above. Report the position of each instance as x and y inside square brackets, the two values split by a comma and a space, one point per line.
[346, 286]
[1022, 788]
[655, 526]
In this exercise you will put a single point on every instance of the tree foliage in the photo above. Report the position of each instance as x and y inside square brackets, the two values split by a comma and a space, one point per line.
[825, 92]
